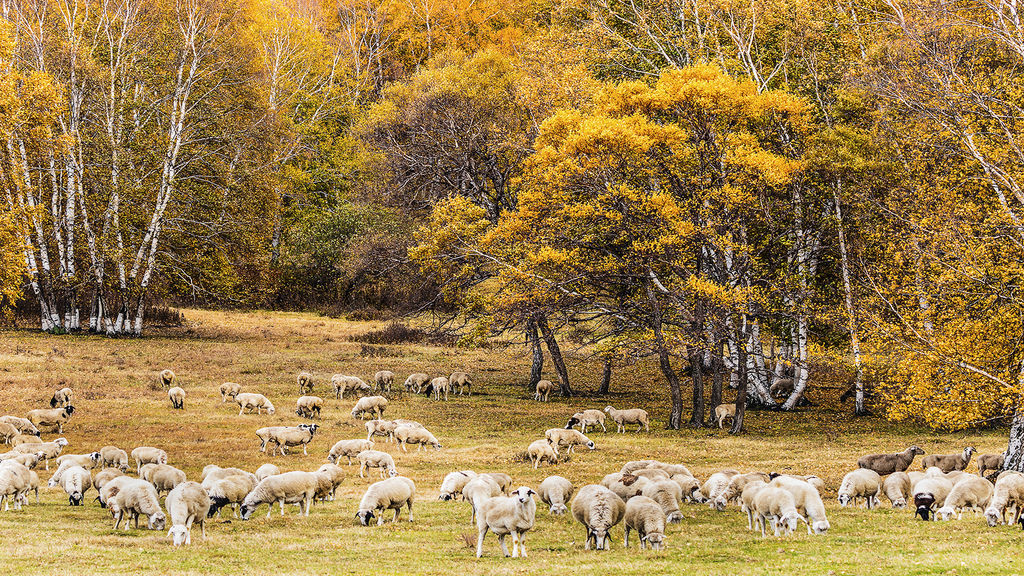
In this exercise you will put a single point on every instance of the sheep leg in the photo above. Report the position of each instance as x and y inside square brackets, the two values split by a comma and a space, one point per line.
[504, 548]
[625, 541]
[515, 544]
[402, 444]
[480, 541]
[603, 429]
[522, 544]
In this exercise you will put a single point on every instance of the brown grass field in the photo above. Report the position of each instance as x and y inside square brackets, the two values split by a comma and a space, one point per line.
[119, 402]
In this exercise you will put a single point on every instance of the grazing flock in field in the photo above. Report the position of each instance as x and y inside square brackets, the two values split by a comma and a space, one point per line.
[644, 495]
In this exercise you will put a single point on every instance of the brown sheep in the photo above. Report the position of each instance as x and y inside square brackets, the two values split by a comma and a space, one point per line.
[949, 462]
[885, 464]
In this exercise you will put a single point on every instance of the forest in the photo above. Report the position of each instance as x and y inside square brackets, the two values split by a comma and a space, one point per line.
[735, 190]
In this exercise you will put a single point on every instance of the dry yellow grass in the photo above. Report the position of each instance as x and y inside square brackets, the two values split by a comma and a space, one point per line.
[119, 402]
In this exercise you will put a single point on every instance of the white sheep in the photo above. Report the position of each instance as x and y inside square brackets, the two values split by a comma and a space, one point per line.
[860, 483]
[587, 418]
[440, 385]
[229, 490]
[668, 495]
[136, 497]
[503, 480]
[571, 438]
[630, 416]
[378, 427]
[543, 390]
[329, 477]
[229, 390]
[27, 460]
[186, 504]
[671, 469]
[389, 494]
[114, 457]
[177, 397]
[747, 497]
[1008, 494]
[288, 488]
[12, 486]
[715, 486]
[291, 436]
[384, 380]
[598, 509]
[87, 461]
[305, 381]
[45, 450]
[8, 432]
[112, 486]
[167, 378]
[735, 488]
[625, 486]
[342, 383]
[163, 477]
[266, 470]
[463, 381]
[778, 506]
[309, 406]
[26, 482]
[376, 459]
[929, 492]
[349, 449]
[540, 450]
[148, 455]
[22, 424]
[973, 492]
[478, 490]
[555, 491]
[414, 383]
[453, 484]
[807, 500]
[896, 488]
[372, 405]
[265, 433]
[645, 516]
[62, 398]
[421, 437]
[253, 401]
[514, 515]
[103, 476]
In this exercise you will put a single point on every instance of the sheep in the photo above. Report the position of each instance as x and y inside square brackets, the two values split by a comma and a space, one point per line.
[625, 486]
[598, 509]
[45, 450]
[929, 492]
[671, 469]
[376, 459]
[33, 486]
[186, 504]
[646, 517]
[342, 384]
[104, 476]
[440, 385]
[949, 462]
[23, 425]
[781, 388]
[555, 491]
[513, 515]
[349, 449]
[329, 477]
[571, 438]
[735, 486]
[973, 492]
[212, 472]
[114, 457]
[52, 418]
[148, 455]
[266, 470]
[305, 381]
[860, 483]
[288, 488]
[896, 488]
[463, 381]
[990, 462]
[414, 383]
[808, 500]
[265, 433]
[543, 390]
[885, 464]
[723, 411]
[715, 486]
[453, 484]
[7, 432]
[136, 497]
[630, 416]
[164, 477]
[27, 481]
[778, 506]
[504, 481]
[384, 428]
[252, 401]
[540, 450]
[478, 490]
[652, 474]
[27, 460]
[87, 461]
[406, 435]
[75, 481]
[389, 494]
[228, 490]
[229, 390]
[289, 436]
[668, 495]
[747, 497]
[689, 486]
[62, 398]
[372, 405]
[1008, 494]
[309, 406]
[177, 397]
[12, 487]
[112, 486]
[167, 378]
[587, 418]
[384, 380]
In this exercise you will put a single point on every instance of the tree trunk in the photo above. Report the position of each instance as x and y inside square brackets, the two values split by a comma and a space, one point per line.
[1015, 446]
[696, 358]
[556, 354]
[844, 261]
[717, 379]
[741, 393]
[537, 367]
[800, 372]
[606, 377]
[675, 417]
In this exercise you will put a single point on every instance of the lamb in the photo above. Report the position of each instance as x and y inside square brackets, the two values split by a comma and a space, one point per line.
[376, 459]
[289, 436]
[288, 488]
[177, 397]
[384, 380]
[148, 455]
[463, 381]
[329, 477]
[543, 390]
[973, 492]
[305, 381]
[571, 438]
[928, 492]
[266, 470]
[453, 484]
[667, 494]
[372, 405]
[136, 497]
[540, 450]
[406, 435]
[598, 509]
[7, 432]
[252, 401]
[990, 463]
[625, 486]
[389, 494]
[114, 457]
[414, 383]
[164, 477]
[949, 462]
[1007, 495]
[478, 490]
[630, 416]
[45, 450]
[513, 515]
[897, 489]
[671, 469]
[309, 406]
[441, 385]
[384, 428]
[52, 418]
[808, 500]
[860, 483]
[167, 378]
[349, 449]
[555, 491]
[588, 418]
[62, 398]
[778, 506]
[342, 384]
[228, 490]
[885, 464]
[715, 486]
[646, 517]
[723, 411]
[229, 390]
[186, 504]
[23, 425]
[87, 461]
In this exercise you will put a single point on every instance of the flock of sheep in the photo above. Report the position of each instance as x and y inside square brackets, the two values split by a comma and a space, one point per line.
[644, 495]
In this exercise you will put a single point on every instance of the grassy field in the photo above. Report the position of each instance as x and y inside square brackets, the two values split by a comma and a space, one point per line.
[119, 402]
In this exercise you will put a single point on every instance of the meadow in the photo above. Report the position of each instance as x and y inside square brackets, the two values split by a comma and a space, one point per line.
[119, 401]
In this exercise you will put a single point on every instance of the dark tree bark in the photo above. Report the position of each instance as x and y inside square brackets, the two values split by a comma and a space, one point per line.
[533, 339]
[1015, 447]
[556, 354]
[696, 358]
[717, 378]
[741, 391]
[606, 377]
[675, 417]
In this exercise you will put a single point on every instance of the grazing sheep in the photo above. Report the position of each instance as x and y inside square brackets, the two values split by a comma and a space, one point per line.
[264, 435]
[342, 384]
[45, 450]
[406, 422]
[288, 488]
[807, 500]
[896, 488]
[598, 509]
[229, 390]
[62, 398]
[87, 461]
[540, 450]
[389, 494]
[104, 476]
[630, 416]
[646, 517]
[778, 506]
[23, 425]
[513, 515]
[349, 449]
[571, 438]
[114, 457]
[384, 428]
[625, 486]
[289, 436]
[453, 484]
[671, 469]
[212, 473]
[164, 477]
[305, 381]
[885, 464]
[334, 476]
[715, 486]
[723, 411]
[990, 463]
[52, 418]
[689, 486]
[186, 504]
[930, 491]
[372, 405]
[384, 380]
[543, 390]
[440, 385]
[376, 459]
[781, 388]
[252, 401]
[587, 418]
[478, 490]
[112, 486]
[177, 397]
[27, 460]
[668, 495]
[735, 487]
[860, 483]
[973, 492]
[309, 406]
[747, 496]
[7, 432]
[406, 435]
[1008, 494]
[555, 491]
[13, 486]
[229, 490]
[266, 470]
[75, 481]
[167, 378]
[463, 381]
[148, 455]
[948, 462]
[414, 383]
[136, 497]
